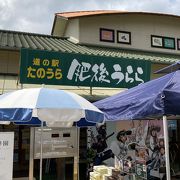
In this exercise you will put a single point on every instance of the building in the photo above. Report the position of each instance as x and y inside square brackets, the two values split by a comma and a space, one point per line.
[109, 36]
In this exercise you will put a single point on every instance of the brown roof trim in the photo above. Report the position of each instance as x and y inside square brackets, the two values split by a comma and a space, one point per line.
[76, 14]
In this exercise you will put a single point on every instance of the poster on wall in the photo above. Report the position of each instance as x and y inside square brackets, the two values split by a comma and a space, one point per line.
[6, 155]
[163, 42]
[123, 37]
[169, 43]
[156, 41]
[106, 35]
[178, 44]
[139, 144]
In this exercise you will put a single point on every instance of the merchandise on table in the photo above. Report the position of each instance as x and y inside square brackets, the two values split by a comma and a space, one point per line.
[103, 172]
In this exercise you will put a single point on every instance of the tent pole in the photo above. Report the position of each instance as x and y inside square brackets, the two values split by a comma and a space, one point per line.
[31, 154]
[41, 141]
[41, 147]
[166, 141]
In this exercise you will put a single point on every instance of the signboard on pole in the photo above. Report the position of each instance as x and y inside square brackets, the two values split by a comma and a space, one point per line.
[6, 155]
[56, 142]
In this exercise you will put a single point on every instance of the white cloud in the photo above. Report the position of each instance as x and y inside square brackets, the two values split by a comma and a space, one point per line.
[5, 9]
[37, 15]
[160, 6]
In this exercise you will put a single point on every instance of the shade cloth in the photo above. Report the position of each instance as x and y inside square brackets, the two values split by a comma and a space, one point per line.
[155, 98]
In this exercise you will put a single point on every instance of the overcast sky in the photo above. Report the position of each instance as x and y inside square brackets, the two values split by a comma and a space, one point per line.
[37, 16]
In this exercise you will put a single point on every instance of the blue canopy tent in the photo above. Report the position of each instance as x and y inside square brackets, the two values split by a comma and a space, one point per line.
[156, 98]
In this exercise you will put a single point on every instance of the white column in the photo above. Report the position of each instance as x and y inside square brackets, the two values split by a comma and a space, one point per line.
[166, 142]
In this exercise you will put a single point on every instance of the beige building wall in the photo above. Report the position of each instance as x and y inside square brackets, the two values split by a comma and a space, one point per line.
[9, 70]
[141, 26]
[155, 67]
[59, 27]
[9, 62]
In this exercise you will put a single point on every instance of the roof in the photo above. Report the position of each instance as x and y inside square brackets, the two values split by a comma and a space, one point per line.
[86, 13]
[15, 40]
[76, 14]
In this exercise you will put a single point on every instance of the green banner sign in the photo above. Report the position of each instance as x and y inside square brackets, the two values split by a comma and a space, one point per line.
[55, 68]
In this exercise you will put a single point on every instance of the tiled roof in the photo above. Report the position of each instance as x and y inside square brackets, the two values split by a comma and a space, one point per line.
[76, 14]
[16, 40]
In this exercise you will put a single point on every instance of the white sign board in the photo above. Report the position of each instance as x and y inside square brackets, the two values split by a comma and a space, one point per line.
[57, 142]
[6, 155]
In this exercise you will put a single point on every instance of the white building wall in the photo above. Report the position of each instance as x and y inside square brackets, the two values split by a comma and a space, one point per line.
[72, 29]
[141, 27]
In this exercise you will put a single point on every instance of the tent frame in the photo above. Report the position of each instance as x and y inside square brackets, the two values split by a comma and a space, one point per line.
[166, 143]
